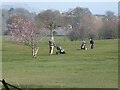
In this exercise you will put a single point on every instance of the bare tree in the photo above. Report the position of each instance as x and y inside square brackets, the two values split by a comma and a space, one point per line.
[78, 27]
[20, 12]
[45, 18]
[109, 28]
[23, 31]
[91, 25]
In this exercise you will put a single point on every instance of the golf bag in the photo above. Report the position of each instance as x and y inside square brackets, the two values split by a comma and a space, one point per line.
[60, 50]
[83, 46]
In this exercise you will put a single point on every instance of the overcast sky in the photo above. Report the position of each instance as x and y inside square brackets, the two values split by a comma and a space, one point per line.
[94, 7]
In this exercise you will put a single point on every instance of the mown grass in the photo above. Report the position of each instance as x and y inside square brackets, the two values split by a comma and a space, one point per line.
[97, 68]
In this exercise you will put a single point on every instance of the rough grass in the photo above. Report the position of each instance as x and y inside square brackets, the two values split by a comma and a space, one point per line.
[97, 68]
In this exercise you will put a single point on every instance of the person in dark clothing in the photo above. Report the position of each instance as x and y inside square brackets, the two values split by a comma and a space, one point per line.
[91, 43]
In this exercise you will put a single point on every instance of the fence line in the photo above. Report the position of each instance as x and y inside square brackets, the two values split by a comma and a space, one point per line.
[7, 84]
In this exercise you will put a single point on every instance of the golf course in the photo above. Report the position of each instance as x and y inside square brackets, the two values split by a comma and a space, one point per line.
[91, 68]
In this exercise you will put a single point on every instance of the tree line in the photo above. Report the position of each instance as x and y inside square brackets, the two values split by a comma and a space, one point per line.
[77, 23]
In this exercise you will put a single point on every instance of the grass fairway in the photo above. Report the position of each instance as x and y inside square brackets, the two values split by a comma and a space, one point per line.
[97, 68]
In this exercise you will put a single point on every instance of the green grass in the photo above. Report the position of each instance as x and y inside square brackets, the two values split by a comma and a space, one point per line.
[97, 68]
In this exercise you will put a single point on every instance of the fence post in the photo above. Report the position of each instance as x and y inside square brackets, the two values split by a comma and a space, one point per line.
[5, 85]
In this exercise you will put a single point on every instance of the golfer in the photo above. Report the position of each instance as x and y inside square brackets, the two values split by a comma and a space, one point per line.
[51, 45]
[91, 43]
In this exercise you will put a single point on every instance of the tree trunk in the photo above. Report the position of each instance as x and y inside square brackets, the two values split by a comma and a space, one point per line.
[34, 52]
